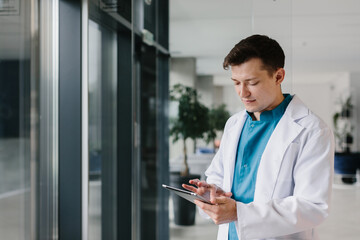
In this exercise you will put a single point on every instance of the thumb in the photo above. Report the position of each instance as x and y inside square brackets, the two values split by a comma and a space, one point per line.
[228, 194]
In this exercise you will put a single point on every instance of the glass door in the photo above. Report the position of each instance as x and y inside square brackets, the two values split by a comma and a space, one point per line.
[102, 132]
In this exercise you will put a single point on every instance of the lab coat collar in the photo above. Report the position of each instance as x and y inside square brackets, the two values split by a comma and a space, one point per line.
[296, 109]
[286, 131]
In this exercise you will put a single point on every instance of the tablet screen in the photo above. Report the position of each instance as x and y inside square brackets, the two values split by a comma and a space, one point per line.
[190, 196]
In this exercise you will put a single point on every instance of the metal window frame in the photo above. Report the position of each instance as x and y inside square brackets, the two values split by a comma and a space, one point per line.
[44, 121]
[84, 119]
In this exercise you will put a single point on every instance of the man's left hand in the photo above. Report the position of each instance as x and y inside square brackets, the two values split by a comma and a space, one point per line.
[223, 210]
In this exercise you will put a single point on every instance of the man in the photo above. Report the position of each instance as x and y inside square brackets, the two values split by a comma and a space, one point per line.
[272, 175]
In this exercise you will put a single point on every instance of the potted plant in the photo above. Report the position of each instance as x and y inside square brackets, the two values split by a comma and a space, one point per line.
[192, 122]
[346, 161]
[217, 119]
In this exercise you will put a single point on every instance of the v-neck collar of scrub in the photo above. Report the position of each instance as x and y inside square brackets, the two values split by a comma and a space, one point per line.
[274, 114]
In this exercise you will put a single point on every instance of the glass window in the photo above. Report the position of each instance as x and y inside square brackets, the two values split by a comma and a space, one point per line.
[102, 132]
[150, 16]
[122, 8]
[149, 171]
[163, 23]
[15, 120]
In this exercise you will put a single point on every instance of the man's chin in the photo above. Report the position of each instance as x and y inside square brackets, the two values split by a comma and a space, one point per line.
[250, 109]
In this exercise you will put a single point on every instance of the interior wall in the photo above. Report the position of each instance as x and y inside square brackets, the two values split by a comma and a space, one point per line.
[321, 92]
[183, 70]
[205, 88]
[232, 100]
[218, 95]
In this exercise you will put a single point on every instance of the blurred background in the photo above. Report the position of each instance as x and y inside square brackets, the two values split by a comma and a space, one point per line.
[89, 108]
[321, 41]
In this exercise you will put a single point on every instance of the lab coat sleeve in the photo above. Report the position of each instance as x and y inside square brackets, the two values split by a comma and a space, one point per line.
[307, 207]
[214, 176]
[215, 172]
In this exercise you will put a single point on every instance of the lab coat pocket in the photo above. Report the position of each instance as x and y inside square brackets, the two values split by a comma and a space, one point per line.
[284, 186]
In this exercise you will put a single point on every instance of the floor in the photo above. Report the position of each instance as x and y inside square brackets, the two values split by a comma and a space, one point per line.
[343, 222]
[14, 190]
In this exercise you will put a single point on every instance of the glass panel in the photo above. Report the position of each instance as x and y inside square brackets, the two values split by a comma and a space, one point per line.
[123, 7]
[102, 132]
[163, 145]
[149, 173]
[163, 23]
[15, 120]
[149, 16]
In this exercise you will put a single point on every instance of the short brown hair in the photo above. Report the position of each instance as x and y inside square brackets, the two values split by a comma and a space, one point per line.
[257, 46]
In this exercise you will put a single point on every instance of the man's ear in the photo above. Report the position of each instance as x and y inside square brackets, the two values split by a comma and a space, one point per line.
[280, 75]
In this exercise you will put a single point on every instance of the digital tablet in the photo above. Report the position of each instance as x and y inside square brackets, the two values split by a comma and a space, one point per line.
[190, 196]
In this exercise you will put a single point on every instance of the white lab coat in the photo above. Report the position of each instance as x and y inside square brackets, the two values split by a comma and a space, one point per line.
[294, 178]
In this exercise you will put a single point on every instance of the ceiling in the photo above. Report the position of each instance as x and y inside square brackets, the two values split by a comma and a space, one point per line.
[317, 35]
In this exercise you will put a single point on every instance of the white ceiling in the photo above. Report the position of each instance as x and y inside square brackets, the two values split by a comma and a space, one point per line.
[317, 35]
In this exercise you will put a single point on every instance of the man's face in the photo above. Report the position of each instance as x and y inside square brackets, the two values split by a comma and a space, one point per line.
[257, 89]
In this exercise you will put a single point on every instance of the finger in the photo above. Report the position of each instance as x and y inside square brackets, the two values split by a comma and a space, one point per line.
[219, 190]
[204, 184]
[190, 188]
[202, 191]
[198, 203]
[213, 195]
[228, 194]
[221, 200]
[199, 183]
[194, 181]
[204, 206]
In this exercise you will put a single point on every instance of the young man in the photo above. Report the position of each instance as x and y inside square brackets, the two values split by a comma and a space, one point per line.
[272, 176]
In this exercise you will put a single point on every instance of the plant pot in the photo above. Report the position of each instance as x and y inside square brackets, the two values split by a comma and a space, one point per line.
[184, 211]
[346, 113]
[346, 165]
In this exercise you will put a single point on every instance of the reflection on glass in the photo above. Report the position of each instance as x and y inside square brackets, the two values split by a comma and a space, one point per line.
[149, 173]
[102, 132]
[122, 7]
[14, 121]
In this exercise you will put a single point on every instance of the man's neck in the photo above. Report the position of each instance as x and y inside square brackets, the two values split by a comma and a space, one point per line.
[256, 115]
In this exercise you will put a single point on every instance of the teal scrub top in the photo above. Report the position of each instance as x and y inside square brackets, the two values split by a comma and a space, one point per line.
[252, 142]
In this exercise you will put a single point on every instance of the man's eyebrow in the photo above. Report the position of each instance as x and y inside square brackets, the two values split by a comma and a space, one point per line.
[246, 80]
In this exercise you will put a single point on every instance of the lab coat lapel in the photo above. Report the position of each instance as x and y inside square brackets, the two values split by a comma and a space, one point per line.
[231, 148]
[284, 134]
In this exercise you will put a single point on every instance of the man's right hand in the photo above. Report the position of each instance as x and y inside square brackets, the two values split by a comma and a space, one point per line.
[210, 191]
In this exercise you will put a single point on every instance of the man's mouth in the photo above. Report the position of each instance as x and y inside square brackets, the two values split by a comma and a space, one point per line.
[248, 100]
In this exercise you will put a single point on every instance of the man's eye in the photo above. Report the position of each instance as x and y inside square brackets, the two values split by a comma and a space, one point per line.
[253, 83]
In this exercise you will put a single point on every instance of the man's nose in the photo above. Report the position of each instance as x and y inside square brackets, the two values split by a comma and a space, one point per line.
[244, 91]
